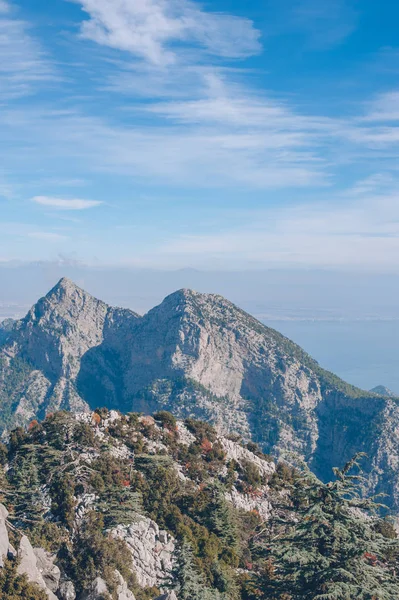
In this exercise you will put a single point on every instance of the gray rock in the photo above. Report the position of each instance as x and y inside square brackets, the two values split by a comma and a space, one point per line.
[97, 591]
[151, 550]
[122, 591]
[4, 541]
[66, 591]
[49, 571]
[28, 566]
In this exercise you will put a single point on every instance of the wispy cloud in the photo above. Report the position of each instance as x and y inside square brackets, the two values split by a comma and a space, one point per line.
[384, 108]
[151, 28]
[23, 63]
[65, 204]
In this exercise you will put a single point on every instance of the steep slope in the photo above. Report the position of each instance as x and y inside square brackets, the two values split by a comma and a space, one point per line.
[40, 359]
[196, 355]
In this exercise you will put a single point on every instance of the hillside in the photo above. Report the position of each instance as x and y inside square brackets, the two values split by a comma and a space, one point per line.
[102, 506]
[196, 355]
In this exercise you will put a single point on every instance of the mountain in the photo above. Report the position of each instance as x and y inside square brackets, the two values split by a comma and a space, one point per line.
[195, 355]
[381, 390]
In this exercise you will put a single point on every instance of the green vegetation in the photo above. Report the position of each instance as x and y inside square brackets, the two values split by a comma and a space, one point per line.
[332, 547]
[17, 587]
[68, 483]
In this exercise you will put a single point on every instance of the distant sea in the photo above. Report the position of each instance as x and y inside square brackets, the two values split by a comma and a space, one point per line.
[364, 353]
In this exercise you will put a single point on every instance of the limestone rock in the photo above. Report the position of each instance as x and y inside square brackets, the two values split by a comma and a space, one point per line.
[122, 590]
[151, 550]
[66, 591]
[4, 541]
[97, 591]
[236, 452]
[28, 566]
[49, 571]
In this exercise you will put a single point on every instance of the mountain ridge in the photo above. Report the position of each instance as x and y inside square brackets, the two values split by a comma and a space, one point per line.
[196, 355]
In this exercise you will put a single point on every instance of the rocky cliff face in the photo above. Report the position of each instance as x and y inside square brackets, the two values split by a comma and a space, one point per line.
[195, 355]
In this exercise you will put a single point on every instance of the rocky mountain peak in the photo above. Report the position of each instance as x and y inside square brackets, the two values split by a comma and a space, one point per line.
[381, 390]
[66, 291]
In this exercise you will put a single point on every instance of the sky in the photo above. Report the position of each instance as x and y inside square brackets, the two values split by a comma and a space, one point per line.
[172, 134]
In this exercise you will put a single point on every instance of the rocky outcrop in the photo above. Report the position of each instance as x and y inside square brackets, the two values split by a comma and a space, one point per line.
[4, 541]
[99, 589]
[66, 591]
[241, 455]
[122, 591]
[48, 570]
[28, 565]
[167, 596]
[151, 549]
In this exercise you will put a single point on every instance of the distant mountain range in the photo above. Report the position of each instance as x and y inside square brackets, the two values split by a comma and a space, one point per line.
[195, 355]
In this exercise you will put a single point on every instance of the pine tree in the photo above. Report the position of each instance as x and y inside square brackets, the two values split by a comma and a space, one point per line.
[223, 521]
[120, 506]
[25, 481]
[330, 549]
[185, 578]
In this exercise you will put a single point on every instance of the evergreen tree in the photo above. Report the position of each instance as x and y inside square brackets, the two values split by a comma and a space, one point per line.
[120, 506]
[185, 579]
[223, 519]
[25, 481]
[330, 549]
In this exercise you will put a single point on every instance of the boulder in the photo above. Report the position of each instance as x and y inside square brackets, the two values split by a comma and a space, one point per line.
[49, 571]
[28, 566]
[97, 591]
[123, 592]
[66, 591]
[168, 596]
[4, 541]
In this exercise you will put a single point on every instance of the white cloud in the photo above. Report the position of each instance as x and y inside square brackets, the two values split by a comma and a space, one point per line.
[384, 108]
[65, 204]
[152, 29]
[23, 64]
[47, 236]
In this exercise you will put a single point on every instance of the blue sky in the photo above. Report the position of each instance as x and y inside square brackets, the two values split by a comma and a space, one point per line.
[228, 135]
